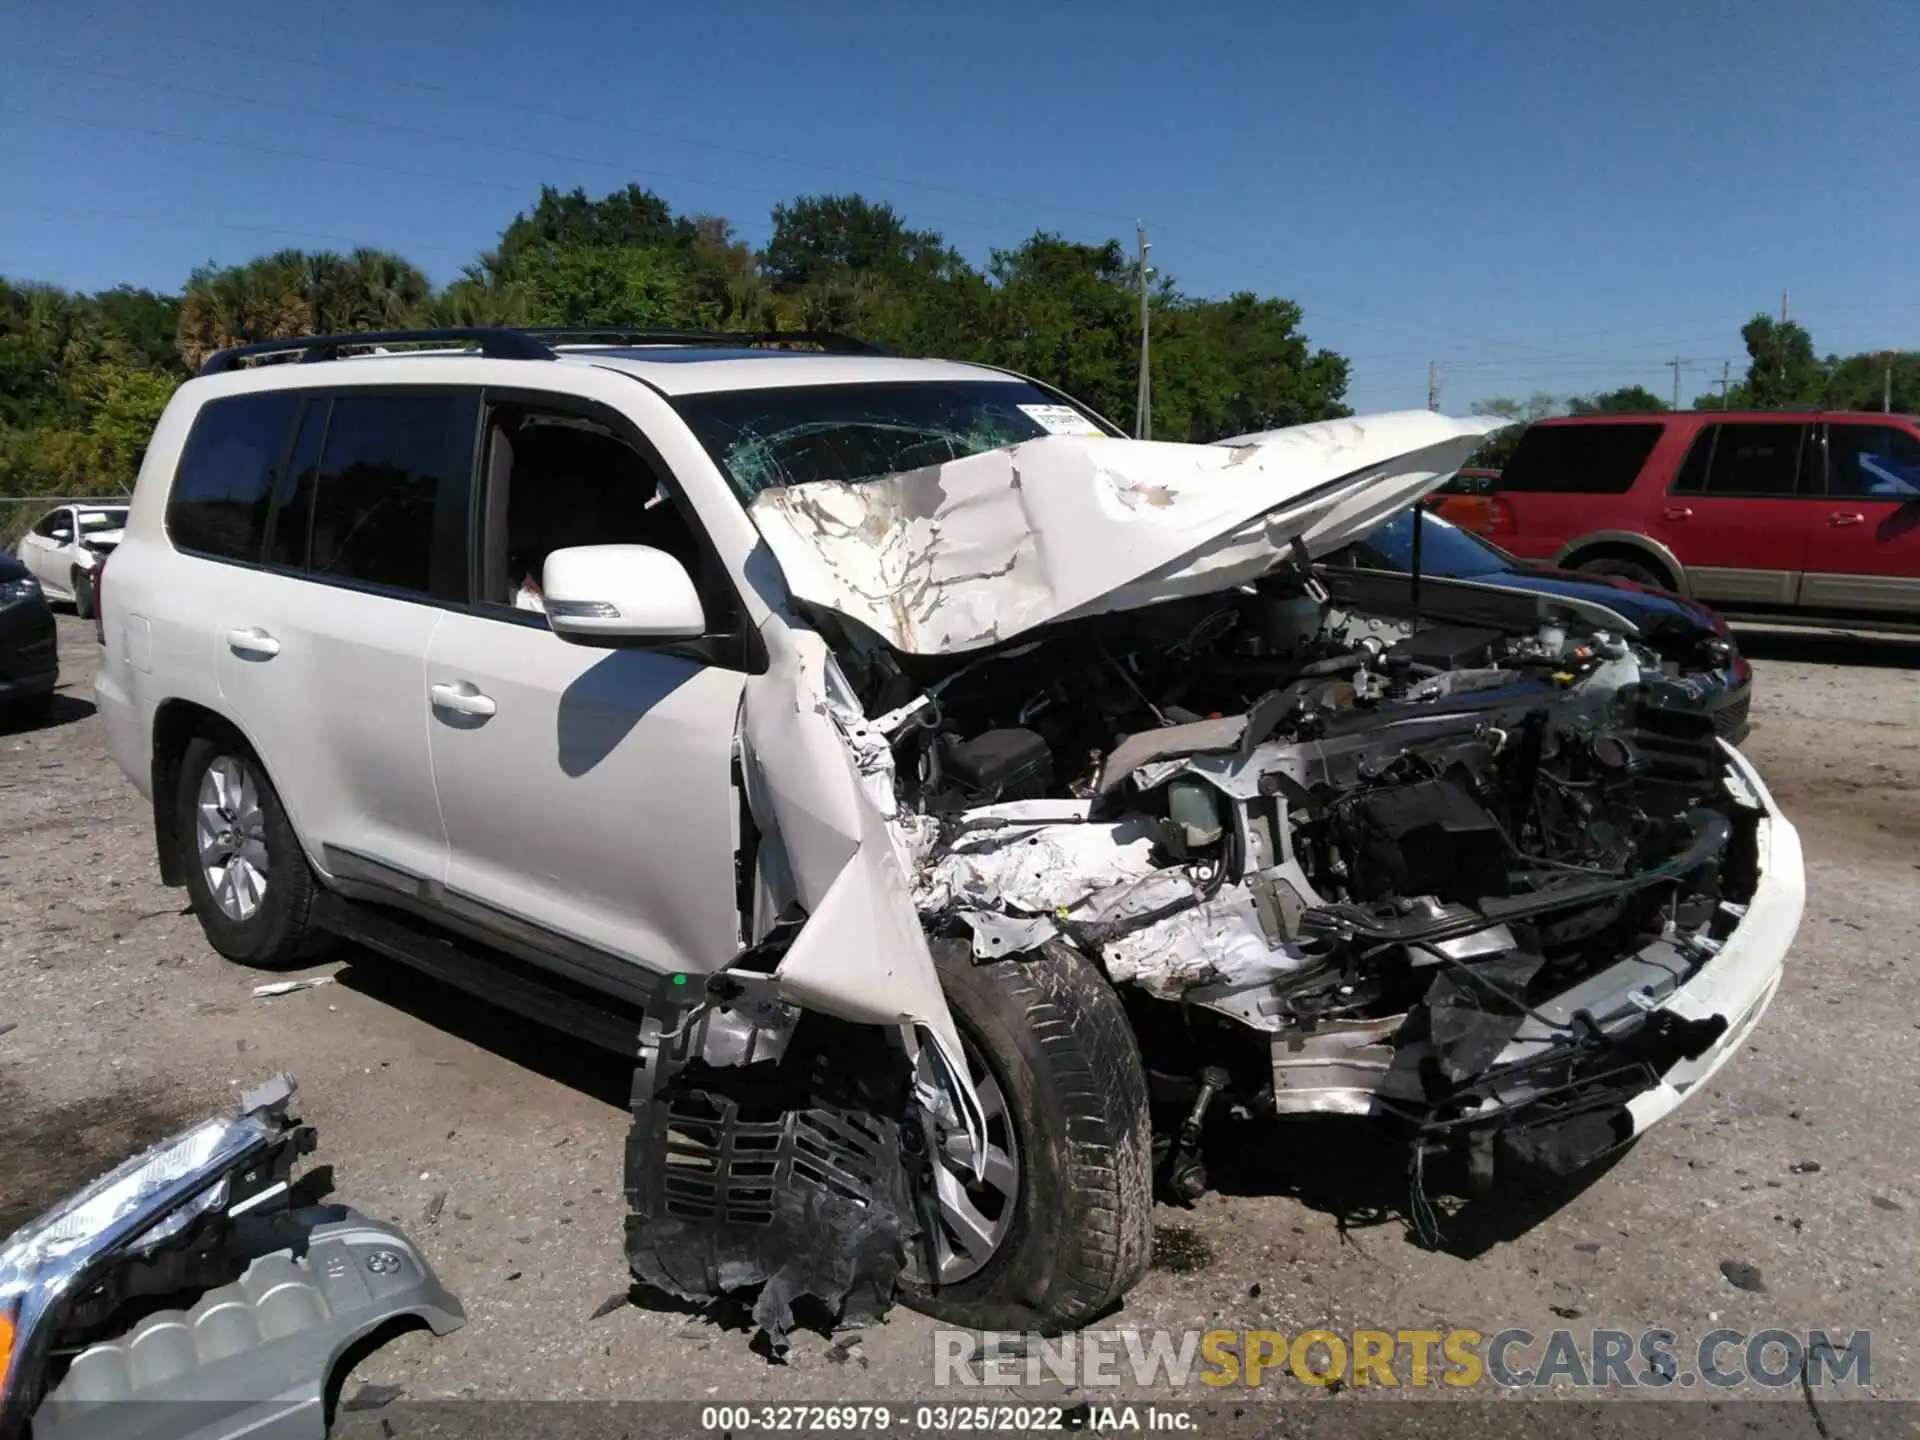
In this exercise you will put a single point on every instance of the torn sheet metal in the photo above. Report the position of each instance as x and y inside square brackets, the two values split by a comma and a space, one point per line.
[969, 553]
[861, 955]
[1221, 941]
[1036, 868]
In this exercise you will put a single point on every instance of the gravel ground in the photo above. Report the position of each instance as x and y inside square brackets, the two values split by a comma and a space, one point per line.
[499, 1145]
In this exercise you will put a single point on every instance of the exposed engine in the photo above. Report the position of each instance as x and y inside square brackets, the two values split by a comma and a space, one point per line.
[1336, 862]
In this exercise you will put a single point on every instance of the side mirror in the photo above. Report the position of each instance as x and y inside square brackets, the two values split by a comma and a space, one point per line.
[615, 595]
[62, 534]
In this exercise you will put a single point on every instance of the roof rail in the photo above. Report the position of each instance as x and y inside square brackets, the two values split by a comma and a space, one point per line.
[827, 340]
[493, 342]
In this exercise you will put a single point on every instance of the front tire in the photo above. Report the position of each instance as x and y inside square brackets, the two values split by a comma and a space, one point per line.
[82, 584]
[246, 873]
[1634, 570]
[1049, 1038]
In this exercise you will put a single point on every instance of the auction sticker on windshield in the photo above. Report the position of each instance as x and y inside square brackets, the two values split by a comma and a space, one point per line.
[1060, 420]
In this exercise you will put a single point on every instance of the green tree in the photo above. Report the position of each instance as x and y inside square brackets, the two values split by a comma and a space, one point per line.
[604, 285]
[631, 219]
[1066, 314]
[1782, 368]
[819, 237]
[1861, 382]
[1627, 400]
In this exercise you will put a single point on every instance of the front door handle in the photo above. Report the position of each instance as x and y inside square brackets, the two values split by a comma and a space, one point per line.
[253, 642]
[461, 698]
[1677, 512]
[1846, 517]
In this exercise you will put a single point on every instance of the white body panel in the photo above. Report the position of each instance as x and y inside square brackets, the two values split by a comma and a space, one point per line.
[337, 711]
[596, 801]
[978, 550]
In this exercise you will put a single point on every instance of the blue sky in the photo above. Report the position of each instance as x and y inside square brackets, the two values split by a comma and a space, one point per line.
[1538, 196]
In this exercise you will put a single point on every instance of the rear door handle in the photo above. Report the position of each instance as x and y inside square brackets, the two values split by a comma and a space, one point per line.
[461, 698]
[1677, 512]
[1846, 517]
[253, 641]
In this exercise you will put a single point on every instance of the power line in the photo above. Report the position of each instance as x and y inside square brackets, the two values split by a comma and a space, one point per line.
[395, 127]
[494, 102]
[275, 150]
[213, 224]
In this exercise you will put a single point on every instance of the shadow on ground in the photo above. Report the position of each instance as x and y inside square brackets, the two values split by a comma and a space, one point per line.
[1822, 647]
[1356, 1171]
[61, 710]
[598, 1073]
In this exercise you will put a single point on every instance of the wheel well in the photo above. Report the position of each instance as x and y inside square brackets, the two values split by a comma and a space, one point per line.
[175, 724]
[1615, 551]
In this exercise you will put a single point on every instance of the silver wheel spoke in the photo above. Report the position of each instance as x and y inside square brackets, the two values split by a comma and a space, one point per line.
[973, 1230]
[1001, 1173]
[231, 834]
[992, 1103]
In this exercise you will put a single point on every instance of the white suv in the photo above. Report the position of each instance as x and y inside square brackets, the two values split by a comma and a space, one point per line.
[904, 767]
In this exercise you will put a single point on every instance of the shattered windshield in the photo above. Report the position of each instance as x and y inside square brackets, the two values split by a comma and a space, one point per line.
[768, 439]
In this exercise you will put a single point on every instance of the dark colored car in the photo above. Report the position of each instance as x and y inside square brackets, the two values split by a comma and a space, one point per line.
[29, 654]
[1807, 517]
[1468, 579]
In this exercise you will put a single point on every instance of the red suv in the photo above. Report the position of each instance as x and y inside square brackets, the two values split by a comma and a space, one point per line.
[1765, 515]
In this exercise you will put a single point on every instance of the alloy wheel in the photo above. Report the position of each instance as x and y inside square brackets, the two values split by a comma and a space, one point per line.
[972, 1217]
[231, 832]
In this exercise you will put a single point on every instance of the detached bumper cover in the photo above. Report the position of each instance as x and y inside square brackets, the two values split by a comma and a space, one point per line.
[285, 1291]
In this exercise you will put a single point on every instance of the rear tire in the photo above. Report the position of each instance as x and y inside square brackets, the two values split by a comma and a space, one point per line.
[82, 583]
[257, 904]
[1640, 572]
[1057, 1042]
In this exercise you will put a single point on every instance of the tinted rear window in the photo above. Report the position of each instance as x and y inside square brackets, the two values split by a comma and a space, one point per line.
[221, 491]
[1743, 459]
[382, 467]
[1580, 459]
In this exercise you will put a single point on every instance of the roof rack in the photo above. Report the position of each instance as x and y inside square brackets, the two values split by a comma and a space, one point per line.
[493, 342]
[826, 340]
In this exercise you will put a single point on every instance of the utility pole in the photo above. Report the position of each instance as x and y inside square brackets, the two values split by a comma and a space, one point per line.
[1783, 307]
[1725, 367]
[1886, 386]
[1143, 405]
[1676, 363]
[1433, 384]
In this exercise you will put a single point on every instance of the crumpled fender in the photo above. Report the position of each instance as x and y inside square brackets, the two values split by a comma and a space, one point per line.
[861, 954]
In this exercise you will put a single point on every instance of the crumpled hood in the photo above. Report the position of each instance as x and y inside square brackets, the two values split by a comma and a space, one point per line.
[976, 551]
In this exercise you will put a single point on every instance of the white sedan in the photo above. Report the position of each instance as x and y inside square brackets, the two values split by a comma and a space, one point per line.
[64, 547]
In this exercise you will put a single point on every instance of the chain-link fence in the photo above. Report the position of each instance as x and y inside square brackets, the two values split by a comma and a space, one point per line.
[19, 513]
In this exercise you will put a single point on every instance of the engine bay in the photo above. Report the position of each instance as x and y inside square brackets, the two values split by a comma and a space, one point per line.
[1335, 862]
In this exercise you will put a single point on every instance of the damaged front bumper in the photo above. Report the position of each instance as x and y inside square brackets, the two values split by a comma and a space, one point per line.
[1595, 1066]
[1731, 988]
